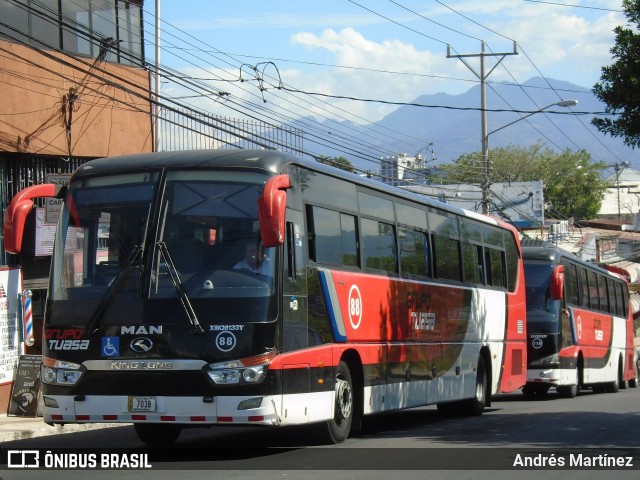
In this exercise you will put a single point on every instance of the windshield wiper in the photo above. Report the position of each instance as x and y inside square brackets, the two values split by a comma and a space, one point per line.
[114, 289]
[196, 327]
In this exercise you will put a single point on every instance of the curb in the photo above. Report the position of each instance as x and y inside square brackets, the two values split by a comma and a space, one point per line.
[20, 428]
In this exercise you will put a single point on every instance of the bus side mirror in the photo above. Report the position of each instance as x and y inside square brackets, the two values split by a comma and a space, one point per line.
[557, 283]
[271, 210]
[16, 214]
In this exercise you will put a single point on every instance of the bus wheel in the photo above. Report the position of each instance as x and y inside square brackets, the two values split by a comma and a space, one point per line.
[340, 425]
[622, 383]
[475, 406]
[570, 391]
[156, 435]
[531, 391]
[614, 387]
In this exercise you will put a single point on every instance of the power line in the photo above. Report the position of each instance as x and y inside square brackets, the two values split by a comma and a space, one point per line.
[574, 6]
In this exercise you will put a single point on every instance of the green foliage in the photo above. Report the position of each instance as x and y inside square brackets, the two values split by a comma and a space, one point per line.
[619, 83]
[571, 180]
[338, 162]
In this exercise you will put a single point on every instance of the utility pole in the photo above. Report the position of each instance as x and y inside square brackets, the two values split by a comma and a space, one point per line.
[156, 96]
[482, 76]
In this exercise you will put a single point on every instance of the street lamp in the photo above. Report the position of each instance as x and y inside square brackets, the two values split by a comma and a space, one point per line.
[485, 146]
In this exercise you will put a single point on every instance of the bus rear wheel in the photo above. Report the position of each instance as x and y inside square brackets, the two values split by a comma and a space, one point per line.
[475, 406]
[472, 406]
[570, 391]
[339, 426]
[156, 435]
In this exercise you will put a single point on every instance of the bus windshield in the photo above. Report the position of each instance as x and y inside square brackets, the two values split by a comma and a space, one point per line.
[540, 307]
[127, 242]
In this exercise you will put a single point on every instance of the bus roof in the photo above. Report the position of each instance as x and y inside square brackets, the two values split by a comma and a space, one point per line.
[548, 252]
[270, 160]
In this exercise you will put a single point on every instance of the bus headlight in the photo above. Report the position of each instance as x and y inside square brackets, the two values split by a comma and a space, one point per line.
[224, 376]
[59, 372]
[550, 361]
[254, 374]
[246, 370]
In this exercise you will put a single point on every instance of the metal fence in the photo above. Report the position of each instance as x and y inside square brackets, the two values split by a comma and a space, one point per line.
[189, 130]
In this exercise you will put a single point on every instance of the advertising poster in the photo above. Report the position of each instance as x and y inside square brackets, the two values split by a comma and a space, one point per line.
[10, 335]
[26, 387]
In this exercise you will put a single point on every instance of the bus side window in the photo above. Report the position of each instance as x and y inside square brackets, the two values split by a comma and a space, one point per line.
[413, 248]
[584, 287]
[594, 295]
[291, 251]
[602, 291]
[571, 284]
[332, 237]
[472, 263]
[496, 267]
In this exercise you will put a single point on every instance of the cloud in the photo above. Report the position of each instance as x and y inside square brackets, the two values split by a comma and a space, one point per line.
[367, 61]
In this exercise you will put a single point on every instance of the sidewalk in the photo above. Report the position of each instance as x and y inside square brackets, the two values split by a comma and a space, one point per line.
[19, 428]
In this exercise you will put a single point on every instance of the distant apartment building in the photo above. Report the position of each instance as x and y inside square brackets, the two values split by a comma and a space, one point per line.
[402, 170]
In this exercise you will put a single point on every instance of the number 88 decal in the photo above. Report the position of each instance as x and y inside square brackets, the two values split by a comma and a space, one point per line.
[225, 341]
[355, 307]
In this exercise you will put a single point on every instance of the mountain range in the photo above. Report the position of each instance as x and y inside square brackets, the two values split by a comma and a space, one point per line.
[451, 124]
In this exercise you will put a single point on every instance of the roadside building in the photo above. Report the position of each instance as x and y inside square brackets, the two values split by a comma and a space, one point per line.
[75, 87]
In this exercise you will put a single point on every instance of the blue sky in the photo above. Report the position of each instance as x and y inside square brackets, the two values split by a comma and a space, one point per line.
[394, 50]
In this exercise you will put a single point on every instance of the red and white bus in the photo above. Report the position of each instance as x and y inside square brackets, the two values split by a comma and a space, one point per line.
[579, 324]
[256, 288]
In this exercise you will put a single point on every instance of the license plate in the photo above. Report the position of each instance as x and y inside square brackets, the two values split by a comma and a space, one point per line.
[142, 404]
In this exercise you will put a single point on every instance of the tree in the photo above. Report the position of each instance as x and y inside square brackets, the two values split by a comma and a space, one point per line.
[571, 180]
[619, 86]
[338, 162]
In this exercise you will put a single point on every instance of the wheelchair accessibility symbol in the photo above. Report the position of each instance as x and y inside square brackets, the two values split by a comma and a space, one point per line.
[110, 346]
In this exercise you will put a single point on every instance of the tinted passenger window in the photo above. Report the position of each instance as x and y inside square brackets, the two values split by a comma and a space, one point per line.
[413, 252]
[473, 263]
[447, 261]
[332, 237]
[494, 260]
[379, 246]
[571, 284]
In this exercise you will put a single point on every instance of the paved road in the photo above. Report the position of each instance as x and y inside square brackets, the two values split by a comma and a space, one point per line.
[393, 444]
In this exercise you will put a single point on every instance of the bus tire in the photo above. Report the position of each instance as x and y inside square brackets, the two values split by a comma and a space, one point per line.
[475, 406]
[622, 383]
[612, 387]
[339, 426]
[156, 435]
[570, 391]
[534, 391]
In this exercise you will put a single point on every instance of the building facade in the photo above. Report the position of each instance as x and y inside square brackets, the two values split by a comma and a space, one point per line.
[75, 87]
